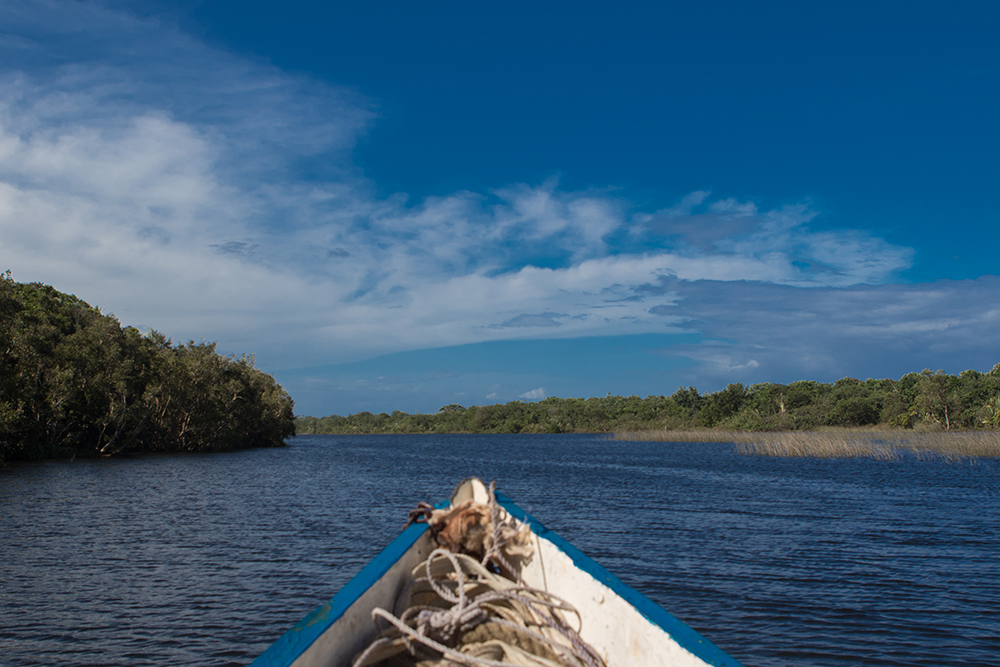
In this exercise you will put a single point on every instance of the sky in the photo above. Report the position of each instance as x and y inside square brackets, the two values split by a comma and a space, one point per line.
[400, 206]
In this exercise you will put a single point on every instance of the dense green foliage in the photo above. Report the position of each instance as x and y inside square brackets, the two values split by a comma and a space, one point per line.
[73, 382]
[927, 399]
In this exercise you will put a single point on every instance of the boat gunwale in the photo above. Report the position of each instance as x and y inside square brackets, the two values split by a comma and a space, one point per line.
[679, 631]
[297, 640]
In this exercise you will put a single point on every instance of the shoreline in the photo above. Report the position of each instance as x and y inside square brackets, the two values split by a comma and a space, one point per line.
[884, 444]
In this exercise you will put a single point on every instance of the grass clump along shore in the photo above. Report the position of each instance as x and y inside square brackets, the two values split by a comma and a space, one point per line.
[73, 382]
[926, 402]
[843, 443]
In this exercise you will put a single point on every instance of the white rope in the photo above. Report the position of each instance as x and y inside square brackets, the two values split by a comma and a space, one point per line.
[466, 595]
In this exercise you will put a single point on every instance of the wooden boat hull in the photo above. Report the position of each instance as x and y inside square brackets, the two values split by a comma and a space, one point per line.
[625, 627]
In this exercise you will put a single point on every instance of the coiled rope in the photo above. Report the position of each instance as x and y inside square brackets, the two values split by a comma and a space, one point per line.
[460, 610]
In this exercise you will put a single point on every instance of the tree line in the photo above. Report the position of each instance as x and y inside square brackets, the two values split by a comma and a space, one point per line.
[74, 382]
[931, 400]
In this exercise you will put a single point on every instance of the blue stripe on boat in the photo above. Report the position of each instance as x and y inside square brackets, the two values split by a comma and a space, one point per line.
[293, 643]
[678, 630]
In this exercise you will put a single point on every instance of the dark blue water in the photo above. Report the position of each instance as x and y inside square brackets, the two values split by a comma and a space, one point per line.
[207, 559]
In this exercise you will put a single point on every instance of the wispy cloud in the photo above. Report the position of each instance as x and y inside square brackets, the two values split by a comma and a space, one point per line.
[534, 394]
[546, 319]
[162, 179]
[784, 333]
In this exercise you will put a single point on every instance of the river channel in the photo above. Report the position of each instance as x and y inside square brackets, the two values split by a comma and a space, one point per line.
[207, 559]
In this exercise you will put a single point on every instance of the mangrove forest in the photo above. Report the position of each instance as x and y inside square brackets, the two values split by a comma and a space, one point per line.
[74, 382]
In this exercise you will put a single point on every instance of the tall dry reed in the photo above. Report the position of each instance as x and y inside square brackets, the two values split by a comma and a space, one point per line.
[841, 443]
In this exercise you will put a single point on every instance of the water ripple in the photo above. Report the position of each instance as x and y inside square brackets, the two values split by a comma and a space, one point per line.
[207, 559]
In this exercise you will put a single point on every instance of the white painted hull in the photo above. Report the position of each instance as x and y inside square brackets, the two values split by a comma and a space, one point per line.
[623, 626]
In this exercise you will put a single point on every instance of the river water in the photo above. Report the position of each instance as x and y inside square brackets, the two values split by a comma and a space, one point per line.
[206, 559]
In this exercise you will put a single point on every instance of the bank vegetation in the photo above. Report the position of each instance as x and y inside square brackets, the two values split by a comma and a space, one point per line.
[74, 382]
[926, 402]
[874, 443]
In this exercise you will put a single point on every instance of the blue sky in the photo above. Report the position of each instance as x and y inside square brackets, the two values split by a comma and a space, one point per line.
[402, 206]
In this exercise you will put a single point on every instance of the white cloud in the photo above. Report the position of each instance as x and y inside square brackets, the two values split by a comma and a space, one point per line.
[782, 333]
[687, 204]
[161, 185]
[731, 206]
[534, 394]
